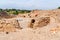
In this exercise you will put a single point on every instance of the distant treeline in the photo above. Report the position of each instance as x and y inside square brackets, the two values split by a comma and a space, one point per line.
[15, 11]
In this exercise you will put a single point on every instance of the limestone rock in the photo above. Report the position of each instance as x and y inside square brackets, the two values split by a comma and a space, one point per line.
[43, 21]
[9, 25]
[24, 22]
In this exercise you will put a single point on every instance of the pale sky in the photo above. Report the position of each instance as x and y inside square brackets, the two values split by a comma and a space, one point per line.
[30, 4]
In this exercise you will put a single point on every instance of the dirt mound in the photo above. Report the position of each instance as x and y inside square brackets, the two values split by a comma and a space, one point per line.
[4, 15]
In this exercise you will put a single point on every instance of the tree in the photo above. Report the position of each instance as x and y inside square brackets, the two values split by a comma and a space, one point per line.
[58, 7]
[0, 9]
[15, 13]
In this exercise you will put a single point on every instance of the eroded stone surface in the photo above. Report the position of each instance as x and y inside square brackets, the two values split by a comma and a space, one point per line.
[43, 21]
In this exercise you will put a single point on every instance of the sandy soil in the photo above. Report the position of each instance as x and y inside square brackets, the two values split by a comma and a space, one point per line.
[43, 33]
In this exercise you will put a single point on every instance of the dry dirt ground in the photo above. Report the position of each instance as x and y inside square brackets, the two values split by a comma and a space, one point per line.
[50, 31]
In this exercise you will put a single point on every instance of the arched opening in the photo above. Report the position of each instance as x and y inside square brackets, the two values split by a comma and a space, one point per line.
[7, 32]
[32, 23]
[24, 16]
[36, 15]
[32, 20]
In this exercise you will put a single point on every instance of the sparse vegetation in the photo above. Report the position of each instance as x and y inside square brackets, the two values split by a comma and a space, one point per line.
[15, 11]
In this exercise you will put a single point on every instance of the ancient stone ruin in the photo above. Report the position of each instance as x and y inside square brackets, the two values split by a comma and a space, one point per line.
[36, 19]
